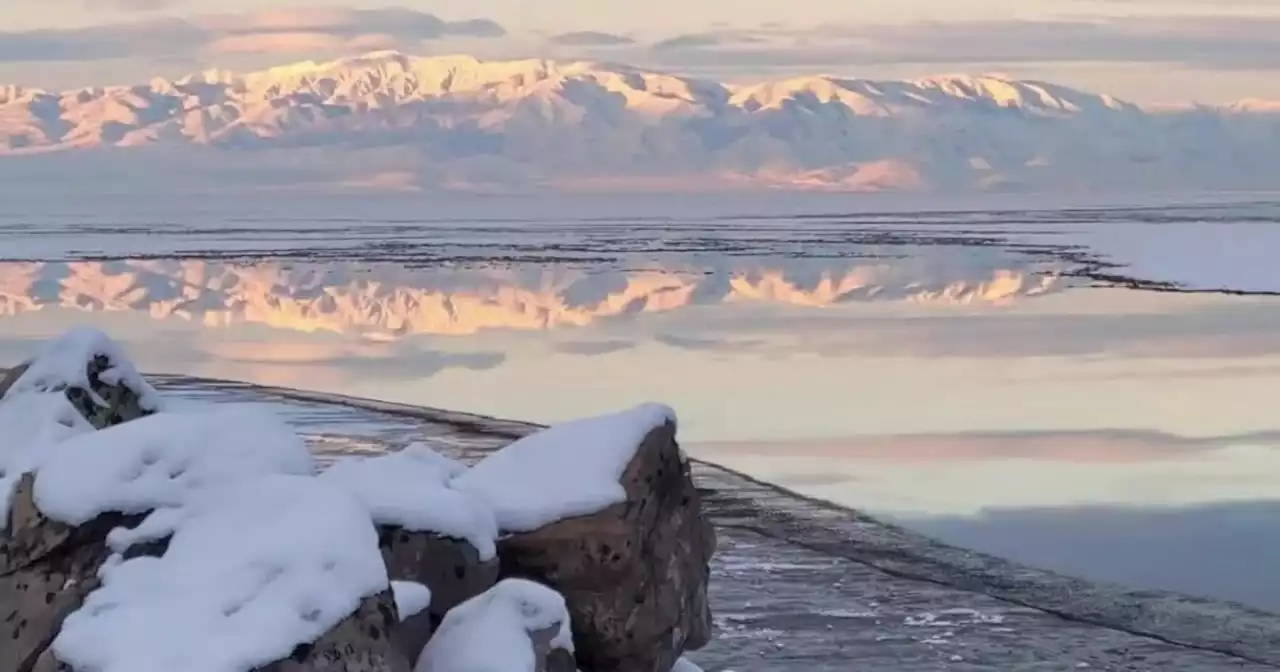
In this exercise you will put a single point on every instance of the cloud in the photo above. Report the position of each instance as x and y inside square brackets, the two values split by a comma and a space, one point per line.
[707, 344]
[128, 5]
[274, 32]
[1218, 42]
[698, 41]
[591, 38]
[591, 348]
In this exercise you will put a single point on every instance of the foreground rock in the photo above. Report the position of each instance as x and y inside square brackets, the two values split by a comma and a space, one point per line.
[47, 569]
[150, 540]
[634, 572]
[127, 534]
[451, 568]
[361, 643]
[94, 374]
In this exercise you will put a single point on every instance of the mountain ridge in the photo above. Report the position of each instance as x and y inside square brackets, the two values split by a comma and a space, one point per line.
[461, 119]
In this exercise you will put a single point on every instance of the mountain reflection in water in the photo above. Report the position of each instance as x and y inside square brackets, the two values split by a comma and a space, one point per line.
[391, 301]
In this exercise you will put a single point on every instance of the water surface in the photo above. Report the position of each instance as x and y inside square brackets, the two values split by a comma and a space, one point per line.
[963, 371]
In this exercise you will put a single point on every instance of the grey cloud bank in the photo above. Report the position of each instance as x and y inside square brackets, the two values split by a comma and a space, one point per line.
[1210, 42]
[1231, 41]
[591, 38]
[285, 31]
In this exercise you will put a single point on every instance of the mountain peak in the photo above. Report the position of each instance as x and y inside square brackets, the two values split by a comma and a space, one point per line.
[580, 120]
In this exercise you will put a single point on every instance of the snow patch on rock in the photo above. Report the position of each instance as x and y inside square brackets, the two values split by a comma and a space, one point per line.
[411, 489]
[159, 461]
[30, 424]
[571, 469]
[412, 598]
[492, 632]
[63, 362]
[254, 570]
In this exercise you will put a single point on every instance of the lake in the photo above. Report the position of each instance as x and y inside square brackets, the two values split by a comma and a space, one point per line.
[1011, 375]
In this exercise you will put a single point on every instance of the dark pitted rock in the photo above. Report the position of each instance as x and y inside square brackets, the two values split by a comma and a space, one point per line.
[109, 393]
[635, 574]
[547, 656]
[11, 376]
[361, 643]
[46, 571]
[451, 568]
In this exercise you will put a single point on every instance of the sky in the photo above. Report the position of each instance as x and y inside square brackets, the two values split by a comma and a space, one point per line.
[1152, 51]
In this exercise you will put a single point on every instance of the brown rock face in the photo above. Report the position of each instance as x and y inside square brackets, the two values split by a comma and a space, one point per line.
[46, 571]
[451, 568]
[634, 575]
[361, 643]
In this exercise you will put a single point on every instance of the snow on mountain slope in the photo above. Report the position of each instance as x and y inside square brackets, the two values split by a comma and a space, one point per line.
[545, 121]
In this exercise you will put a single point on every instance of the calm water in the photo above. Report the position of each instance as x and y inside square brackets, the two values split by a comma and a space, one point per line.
[948, 369]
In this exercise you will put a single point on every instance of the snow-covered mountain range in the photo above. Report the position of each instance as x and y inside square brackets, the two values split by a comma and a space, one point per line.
[458, 121]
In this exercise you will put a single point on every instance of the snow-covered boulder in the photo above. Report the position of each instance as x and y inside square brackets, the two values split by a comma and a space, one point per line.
[135, 538]
[79, 382]
[516, 626]
[429, 533]
[605, 511]
[201, 541]
[94, 374]
[47, 568]
[278, 568]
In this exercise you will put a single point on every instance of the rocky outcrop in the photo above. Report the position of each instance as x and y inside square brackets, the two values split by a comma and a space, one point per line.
[47, 568]
[106, 401]
[106, 404]
[635, 574]
[617, 583]
[361, 643]
[46, 571]
[450, 568]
